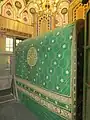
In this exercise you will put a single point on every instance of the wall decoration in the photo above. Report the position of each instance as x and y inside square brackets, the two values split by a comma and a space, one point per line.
[33, 7]
[25, 19]
[18, 4]
[77, 10]
[58, 20]
[58, 13]
[32, 10]
[8, 12]
[61, 12]
[26, 1]
[44, 24]
[35, 11]
[25, 16]
[64, 11]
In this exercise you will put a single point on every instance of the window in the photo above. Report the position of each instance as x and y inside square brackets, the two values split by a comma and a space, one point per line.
[18, 41]
[9, 44]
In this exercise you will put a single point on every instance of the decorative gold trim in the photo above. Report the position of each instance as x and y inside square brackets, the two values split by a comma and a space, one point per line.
[50, 106]
[32, 56]
[52, 95]
[73, 71]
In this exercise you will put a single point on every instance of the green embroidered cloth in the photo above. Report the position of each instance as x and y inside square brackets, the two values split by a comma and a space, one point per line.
[52, 70]
[46, 73]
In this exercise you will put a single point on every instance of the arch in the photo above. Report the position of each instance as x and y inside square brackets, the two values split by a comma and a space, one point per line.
[25, 16]
[44, 21]
[7, 10]
[62, 5]
[33, 5]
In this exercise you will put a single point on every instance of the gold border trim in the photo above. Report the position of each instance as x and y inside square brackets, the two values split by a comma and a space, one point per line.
[50, 106]
[45, 92]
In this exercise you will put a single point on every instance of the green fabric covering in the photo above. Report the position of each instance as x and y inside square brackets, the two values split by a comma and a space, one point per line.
[57, 61]
[43, 114]
[44, 72]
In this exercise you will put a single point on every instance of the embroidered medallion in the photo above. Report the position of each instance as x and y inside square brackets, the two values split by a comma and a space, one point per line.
[32, 56]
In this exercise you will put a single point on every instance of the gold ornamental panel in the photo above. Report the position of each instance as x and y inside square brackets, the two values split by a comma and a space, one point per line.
[32, 56]
[77, 10]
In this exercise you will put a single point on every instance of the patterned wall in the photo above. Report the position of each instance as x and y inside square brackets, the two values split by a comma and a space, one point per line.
[56, 14]
[77, 10]
[16, 10]
[44, 24]
[61, 16]
[43, 15]
[51, 13]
